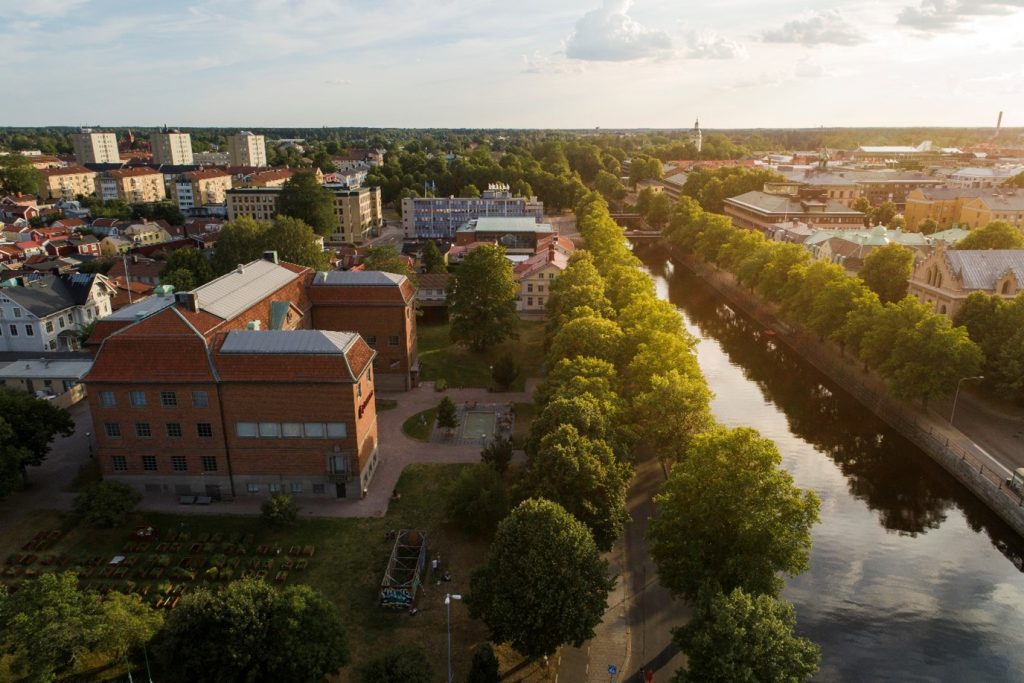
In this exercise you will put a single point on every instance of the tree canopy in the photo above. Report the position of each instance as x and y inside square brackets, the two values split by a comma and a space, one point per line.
[304, 198]
[995, 235]
[32, 424]
[887, 270]
[433, 259]
[482, 299]
[244, 239]
[19, 176]
[387, 258]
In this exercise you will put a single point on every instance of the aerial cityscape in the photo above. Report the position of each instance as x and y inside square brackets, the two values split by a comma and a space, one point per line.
[609, 341]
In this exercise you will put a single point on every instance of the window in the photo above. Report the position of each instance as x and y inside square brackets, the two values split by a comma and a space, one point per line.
[17, 312]
[551, 276]
[274, 488]
[529, 301]
[142, 430]
[540, 288]
[540, 301]
[371, 340]
[270, 430]
[138, 398]
[318, 488]
[314, 430]
[200, 399]
[174, 430]
[291, 430]
[529, 288]
[168, 399]
[14, 330]
[209, 463]
[296, 487]
[204, 430]
[61, 322]
[113, 430]
[392, 340]
[107, 399]
[178, 463]
[246, 430]
[120, 463]
[49, 327]
[30, 331]
[252, 488]
[149, 463]
[336, 430]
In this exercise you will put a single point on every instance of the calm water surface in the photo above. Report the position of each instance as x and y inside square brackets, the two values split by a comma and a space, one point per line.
[911, 578]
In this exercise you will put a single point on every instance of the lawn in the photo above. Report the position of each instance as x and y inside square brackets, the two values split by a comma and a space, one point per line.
[348, 563]
[521, 426]
[460, 367]
[421, 425]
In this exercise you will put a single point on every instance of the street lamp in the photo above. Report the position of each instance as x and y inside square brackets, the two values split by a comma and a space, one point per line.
[448, 603]
[957, 395]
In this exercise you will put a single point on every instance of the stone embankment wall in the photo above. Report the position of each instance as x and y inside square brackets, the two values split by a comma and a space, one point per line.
[945, 444]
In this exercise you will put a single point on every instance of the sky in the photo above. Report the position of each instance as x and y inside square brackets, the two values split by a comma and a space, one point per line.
[521, 64]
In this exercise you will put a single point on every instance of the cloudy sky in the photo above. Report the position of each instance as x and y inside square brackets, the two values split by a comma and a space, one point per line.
[528, 63]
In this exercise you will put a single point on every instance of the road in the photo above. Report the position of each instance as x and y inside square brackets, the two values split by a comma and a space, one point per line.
[1000, 436]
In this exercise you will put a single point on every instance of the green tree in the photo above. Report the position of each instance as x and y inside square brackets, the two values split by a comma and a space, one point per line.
[433, 259]
[48, 625]
[505, 371]
[589, 335]
[303, 197]
[995, 235]
[482, 299]
[387, 259]
[34, 423]
[479, 499]
[106, 504]
[926, 361]
[579, 285]
[610, 186]
[584, 477]
[497, 454]
[742, 638]
[447, 415]
[536, 599]
[251, 631]
[295, 242]
[126, 625]
[155, 211]
[186, 269]
[398, 664]
[659, 211]
[279, 510]
[239, 241]
[884, 213]
[469, 191]
[863, 205]
[928, 226]
[19, 176]
[887, 271]
[672, 411]
[484, 668]
[730, 515]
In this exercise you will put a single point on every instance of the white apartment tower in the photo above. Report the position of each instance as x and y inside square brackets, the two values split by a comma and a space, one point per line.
[95, 148]
[247, 149]
[171, 146]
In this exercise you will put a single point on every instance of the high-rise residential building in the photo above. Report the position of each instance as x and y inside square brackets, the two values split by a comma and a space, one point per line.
[196, 189]
[171, 146]
[247, 149]
[68, 182]
[440, 217]
[139, 185]
[358, 210]
[95, 148]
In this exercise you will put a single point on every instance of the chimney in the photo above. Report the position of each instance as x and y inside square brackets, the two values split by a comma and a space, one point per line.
[270, 256]
[187, 300]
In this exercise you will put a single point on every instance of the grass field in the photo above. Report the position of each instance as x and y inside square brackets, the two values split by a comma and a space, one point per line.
[521, 426]
[460, 367]
[347, 566]
[421, 425]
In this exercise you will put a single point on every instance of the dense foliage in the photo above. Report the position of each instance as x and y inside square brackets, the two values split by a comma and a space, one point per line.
[28, 425]
[106, 504]
[482, 299]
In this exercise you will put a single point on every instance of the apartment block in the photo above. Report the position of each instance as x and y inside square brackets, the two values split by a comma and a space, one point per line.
[68, 183]
[247, 149]
[1007, 205]
[941, 204]
[358, 210]
[133, 185]
[171, 147]
[227, 391]
[440, 217]
[95, 148]
[196, 189]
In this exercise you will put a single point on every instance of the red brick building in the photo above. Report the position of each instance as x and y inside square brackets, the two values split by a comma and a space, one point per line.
[226, 391]
[381, 307]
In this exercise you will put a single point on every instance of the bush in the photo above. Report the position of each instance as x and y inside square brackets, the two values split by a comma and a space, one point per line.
[504, 371]
[497, 454]
[440, 384]
[106, 504]
[485, 666]
[279, 510]
[479, 499]
[398, 664]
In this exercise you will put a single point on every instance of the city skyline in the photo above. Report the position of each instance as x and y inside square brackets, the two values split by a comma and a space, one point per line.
[582, 64]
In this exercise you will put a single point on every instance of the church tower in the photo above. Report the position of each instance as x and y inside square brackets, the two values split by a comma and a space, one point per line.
[696, 137]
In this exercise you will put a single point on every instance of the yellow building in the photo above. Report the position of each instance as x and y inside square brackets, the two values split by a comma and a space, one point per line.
[171, 147]
[133, 185]
[67, 183]
[247, 149]
[535, 276]
[143, 234]
[358, 211]
[941, 204]
[201, 188]
[115, 246]
[1006, 206]
[95, 148]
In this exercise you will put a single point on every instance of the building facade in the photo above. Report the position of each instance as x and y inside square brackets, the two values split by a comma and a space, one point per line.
[947, 277]
[201, 188]
[50, 314]
[358, 210]
[95, 148]
[68, 183]
[764, 211]
[247, 149]
[1005, 206]
[535, 277]
[517, 235]
[133, 185]
[171, 147]
[944, 205]
[440, 217]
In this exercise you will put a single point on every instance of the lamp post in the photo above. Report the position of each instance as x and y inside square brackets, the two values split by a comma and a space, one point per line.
[448, 604]
[957, 394]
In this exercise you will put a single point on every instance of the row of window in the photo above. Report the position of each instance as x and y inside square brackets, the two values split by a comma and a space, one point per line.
[29, 331]
[540, 288]
[294, 487]
[179, 463]
[168, 399]
[291, 430]
[143, 430]
[371, 339]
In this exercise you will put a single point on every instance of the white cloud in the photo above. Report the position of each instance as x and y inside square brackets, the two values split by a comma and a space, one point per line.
[609, 34]
[808, 68]
[940, 15]
[825, 27]
[549, 63]
[47, 8]
[708, 45]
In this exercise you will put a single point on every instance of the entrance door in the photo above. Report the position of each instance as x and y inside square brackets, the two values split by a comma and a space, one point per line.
[30, 386]
[340, 490]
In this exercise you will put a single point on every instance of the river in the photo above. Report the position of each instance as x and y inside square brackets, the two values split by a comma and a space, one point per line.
[911, 578]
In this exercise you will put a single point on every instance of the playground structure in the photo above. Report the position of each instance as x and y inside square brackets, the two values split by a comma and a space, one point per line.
[404, 573]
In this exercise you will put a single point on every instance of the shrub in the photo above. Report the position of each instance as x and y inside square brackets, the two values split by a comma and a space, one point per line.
[485, 666]
[440, 384]
[479, 499]
[398, 664]
[280, 509]
[447, 414]
[497, 454]
[106, 504]
[505, 371]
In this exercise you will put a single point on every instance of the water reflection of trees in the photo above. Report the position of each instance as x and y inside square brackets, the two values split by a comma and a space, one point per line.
[910, 492]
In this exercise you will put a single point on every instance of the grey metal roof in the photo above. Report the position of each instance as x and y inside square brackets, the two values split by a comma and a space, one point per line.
[779, 203]
[142, 309]
[358, 278]
[288, 341]
[230, 294]
[981, 269]
[505, 224]
[51, 294]
[46, 369]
